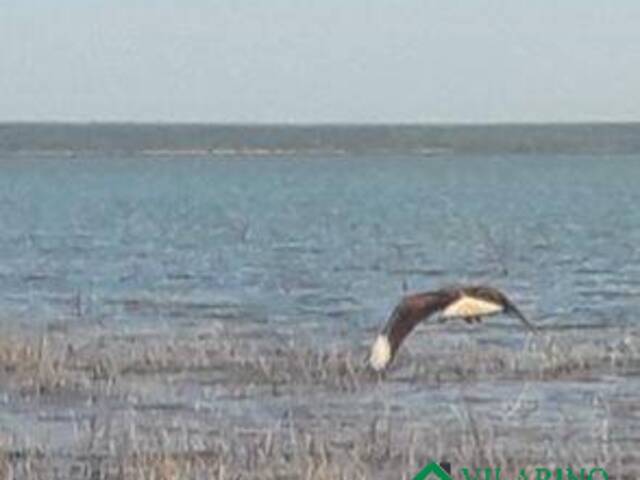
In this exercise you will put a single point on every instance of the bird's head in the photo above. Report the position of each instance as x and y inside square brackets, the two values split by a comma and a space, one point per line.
[381, 353]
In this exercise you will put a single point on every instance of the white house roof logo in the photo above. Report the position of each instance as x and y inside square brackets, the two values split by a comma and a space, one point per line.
[433, 471]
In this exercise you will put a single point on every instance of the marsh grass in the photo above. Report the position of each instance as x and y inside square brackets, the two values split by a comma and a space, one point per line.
[383, 452]
[543, 358]
[103, 367]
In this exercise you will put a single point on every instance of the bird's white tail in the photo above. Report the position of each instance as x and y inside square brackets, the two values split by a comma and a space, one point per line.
[380, 353]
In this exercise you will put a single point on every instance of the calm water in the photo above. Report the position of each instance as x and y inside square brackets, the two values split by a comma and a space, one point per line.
[328, 243]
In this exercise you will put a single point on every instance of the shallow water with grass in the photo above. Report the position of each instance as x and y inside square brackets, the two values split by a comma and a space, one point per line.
[209, 316]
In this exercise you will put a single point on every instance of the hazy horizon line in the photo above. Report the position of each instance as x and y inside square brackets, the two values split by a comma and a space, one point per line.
[83, 123]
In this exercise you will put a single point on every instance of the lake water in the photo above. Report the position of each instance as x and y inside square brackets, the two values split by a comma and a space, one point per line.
[327, 244]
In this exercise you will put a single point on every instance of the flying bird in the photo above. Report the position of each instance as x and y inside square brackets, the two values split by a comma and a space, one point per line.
[469, 303]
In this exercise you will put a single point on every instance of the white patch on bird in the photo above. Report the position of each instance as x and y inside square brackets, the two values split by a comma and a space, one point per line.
[470, 307]
[380, 353]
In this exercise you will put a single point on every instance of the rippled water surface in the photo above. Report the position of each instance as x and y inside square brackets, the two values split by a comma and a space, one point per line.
[325, 244]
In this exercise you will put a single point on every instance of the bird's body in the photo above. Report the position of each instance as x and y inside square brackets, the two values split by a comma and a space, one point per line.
[469, 303]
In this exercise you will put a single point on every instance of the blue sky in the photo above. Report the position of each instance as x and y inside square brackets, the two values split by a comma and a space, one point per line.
[320, 61]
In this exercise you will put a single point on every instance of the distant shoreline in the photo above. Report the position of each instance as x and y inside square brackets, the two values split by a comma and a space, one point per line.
[305, 125]
[327, 139]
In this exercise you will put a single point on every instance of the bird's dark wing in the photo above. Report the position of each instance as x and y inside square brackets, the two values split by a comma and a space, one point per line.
[407, 314]
[513, 310]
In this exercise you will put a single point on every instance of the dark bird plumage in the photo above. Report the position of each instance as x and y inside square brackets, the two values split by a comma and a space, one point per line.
[469, 303]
